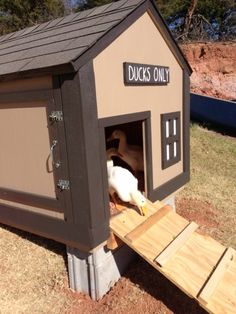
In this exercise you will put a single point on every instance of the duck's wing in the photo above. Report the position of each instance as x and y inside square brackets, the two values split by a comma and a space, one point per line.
[122, 175]
[123, 182]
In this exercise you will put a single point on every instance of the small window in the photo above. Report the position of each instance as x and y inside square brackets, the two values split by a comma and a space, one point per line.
[170, 138]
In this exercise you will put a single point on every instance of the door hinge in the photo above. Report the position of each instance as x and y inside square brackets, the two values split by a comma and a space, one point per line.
[63, 185]
[56, 116]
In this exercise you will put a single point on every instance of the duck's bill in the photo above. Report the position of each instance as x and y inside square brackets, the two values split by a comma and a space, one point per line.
[144, 210]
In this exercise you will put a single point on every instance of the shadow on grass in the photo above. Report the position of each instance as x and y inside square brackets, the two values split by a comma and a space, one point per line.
[155, 284]
[48, 244]
[216, 127]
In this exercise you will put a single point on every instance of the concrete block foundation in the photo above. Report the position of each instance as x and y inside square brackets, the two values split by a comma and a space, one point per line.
[95, 273]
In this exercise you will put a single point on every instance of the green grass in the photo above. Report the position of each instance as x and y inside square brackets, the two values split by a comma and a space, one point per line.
[213, 173]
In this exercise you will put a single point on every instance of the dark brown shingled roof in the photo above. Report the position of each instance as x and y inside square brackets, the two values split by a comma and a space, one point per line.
[62, 41]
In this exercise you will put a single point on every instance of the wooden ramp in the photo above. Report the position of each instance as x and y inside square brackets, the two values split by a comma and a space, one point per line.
[200, 266]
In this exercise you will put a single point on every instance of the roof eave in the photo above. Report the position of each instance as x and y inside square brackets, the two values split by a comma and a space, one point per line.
[51, 70]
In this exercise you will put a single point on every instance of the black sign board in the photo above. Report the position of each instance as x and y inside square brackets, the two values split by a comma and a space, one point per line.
[145, 74]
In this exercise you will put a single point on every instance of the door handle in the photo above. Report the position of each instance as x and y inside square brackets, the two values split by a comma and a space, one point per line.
[54, 144]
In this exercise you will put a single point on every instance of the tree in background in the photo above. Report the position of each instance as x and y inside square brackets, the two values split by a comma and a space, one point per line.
[217, 13]
[200, 19]
[17, 14]
[88, 4]
[187, 19]
[189, 16]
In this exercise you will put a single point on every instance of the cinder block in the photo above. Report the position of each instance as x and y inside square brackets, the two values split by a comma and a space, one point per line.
[170, 201]
[96, 273]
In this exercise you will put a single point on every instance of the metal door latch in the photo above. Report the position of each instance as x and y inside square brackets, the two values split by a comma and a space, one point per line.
[63, 185]
[56, 116]
[56, 164]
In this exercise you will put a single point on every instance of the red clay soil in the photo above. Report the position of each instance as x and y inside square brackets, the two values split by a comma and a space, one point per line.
[214, 68]
[206, 216]
[141, 290]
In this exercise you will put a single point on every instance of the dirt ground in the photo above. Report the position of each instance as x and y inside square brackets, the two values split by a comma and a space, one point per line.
[214, 68]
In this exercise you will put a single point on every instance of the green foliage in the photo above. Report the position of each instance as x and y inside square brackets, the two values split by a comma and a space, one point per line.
[172, 9]
[217, 13]
[83, 5]
[214, 10]
[17, 14]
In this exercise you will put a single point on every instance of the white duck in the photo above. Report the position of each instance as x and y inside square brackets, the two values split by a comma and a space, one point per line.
[131, 154]
[122, 182]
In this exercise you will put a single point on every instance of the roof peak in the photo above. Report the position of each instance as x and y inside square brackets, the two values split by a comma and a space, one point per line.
[57, 45]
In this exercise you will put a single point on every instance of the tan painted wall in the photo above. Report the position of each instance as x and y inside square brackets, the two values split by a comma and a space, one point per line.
[44, 82]
[140, 43]
[24, 149]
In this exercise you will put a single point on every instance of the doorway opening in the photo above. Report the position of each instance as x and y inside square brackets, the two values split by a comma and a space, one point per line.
[128, 139]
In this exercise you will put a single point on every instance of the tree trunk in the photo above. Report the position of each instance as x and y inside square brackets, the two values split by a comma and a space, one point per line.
[188, 18]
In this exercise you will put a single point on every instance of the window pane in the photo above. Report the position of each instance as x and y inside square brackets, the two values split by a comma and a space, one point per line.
[175, 149]
[167, 152]
[174, 127]
[167, 128]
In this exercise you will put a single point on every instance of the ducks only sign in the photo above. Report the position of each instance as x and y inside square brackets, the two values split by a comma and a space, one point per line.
[145, 74]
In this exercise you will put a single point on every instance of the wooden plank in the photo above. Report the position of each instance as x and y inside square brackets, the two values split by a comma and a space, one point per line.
[216, 276]
[176, 244]
[152, 242]
[30, 199]
[185, 270]
[223, 299]
[26, 96]
[148, 223]
[191, 265]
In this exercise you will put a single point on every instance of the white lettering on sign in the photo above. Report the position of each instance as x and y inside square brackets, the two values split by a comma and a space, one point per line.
[139, 74]
[142, 74]
[161, 74]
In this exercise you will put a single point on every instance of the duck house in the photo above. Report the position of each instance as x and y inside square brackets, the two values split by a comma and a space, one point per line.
[66, 87]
